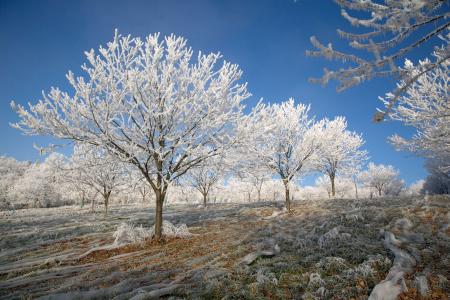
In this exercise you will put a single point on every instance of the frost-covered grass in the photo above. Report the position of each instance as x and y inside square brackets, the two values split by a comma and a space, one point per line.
[321, 250]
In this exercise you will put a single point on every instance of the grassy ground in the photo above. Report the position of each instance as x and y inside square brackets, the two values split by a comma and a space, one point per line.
[329, 249]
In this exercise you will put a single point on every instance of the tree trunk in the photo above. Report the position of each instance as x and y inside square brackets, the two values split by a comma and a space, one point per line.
[259, 195]
[82, 198]
[106, 199]
[205, 196]
[379, 192]
[92, 204]
[333, 188]
[286, 191]
[158, 214]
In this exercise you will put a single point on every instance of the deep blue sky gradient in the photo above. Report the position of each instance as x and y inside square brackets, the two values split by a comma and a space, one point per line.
[42, 40]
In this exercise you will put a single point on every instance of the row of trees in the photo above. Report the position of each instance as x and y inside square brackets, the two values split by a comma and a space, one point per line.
[275, 140]
[60, 181]
[26, 184]
[148, 107]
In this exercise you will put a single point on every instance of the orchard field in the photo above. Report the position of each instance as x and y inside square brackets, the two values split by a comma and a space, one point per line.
[322, 249]
[186, 156]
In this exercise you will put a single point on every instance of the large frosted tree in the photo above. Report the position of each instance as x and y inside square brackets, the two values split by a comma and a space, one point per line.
[341, 152]
[391, 30]
[147, 102]
[284, 138]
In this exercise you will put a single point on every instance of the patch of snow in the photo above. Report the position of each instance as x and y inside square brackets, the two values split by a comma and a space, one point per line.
[130, 234]
[169, 229]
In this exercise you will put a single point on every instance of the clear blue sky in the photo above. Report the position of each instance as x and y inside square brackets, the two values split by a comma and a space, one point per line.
[42, 40]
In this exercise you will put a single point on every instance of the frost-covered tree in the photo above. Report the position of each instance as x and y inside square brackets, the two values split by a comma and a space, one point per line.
[256, 175]
[394, 29]
[438, 181]
[72, 181]
[38, 186]
[138, 188]
[343, 189]
[147, 103]
[284, 138]
[11, 170]
[247, 166]
[341, 152]
[395, 188]
[98, 170]
[274, 190]
[323, 183]
[205, 176]
[426, 107]
[416, 188]
[238, 190]
[384, 179]
[182, 193]
[141, 186]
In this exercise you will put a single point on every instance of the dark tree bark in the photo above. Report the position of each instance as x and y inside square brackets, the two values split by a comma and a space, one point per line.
[160, 197]
[106, 196]
[287, 192]
[205, 196]
[83, 196]
[159, 186]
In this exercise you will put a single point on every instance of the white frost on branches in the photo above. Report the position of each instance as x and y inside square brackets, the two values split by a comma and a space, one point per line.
[384, 179]
[206, 176]
[284, 138]
[340, 153]
[426, 107]
[94, 167]
[344, 187]
[148, 103]
[393, 30]
[40, 185]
